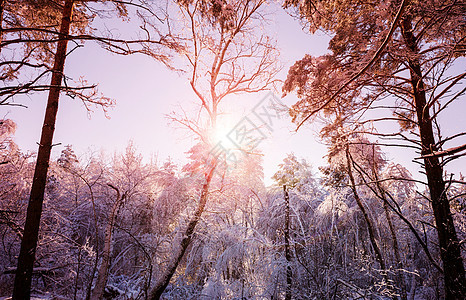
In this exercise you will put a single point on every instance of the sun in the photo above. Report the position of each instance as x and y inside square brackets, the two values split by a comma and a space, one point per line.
[221, 134]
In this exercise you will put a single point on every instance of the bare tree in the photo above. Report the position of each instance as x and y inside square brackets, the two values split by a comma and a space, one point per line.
[225, 55]
[102, 274]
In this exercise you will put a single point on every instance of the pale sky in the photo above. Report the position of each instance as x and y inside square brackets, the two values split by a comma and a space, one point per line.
[146, 91]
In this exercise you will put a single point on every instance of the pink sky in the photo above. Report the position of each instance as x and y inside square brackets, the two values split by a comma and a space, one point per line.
[146, 91]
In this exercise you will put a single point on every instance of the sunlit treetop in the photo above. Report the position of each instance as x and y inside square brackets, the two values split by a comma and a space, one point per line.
[358, 30]
[294, 173]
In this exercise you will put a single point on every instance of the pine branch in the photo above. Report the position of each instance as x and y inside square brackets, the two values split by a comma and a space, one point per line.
[366, 67]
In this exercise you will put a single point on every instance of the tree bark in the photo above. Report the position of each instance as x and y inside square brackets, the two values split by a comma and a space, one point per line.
[450, 251]
[163, 282]
[22, 285]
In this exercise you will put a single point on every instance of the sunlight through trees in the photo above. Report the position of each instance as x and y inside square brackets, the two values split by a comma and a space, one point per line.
[120, 225]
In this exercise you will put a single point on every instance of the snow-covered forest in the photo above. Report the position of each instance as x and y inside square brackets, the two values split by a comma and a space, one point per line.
[94, 225]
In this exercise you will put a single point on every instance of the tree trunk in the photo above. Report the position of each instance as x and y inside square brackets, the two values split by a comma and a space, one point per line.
[399, 262]
[22, 285]
[2, 9]
[450, 251]
[289, 274]
[102, 275]
[163, 282]
[370, 226]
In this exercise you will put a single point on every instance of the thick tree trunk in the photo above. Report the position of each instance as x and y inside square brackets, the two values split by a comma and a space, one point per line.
[22, 285]
[163, 282]
[450, 251]
[289, 274]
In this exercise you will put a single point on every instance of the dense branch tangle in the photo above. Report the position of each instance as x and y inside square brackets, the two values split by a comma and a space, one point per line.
[415, 66]
[33, 46]
[227, 57]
